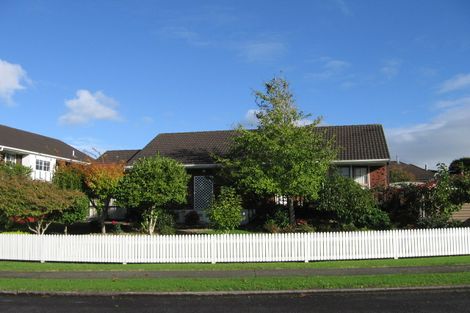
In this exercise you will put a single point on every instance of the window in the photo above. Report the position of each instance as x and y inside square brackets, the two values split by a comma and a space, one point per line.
[361, 176]
[43, 165]
[344, 171]
[10, 158]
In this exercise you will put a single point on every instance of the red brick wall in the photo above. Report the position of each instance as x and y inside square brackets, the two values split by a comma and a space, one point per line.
[378, 176]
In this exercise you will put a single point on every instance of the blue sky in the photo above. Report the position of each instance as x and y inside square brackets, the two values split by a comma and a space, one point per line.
[113, 74]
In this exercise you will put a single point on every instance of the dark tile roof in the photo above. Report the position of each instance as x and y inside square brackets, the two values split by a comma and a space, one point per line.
[355, 142]
[20, 139]
[358, 142]
[116, 156]
[417, 173]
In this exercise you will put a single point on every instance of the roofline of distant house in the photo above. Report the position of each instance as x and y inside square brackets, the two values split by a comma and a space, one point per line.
[2, 148]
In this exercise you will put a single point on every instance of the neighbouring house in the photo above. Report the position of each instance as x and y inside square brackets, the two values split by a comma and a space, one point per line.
[363, 156]
[410, 173]
[38, 152]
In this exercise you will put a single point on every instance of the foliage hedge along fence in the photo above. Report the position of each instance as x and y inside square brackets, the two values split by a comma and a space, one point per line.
[236, 248]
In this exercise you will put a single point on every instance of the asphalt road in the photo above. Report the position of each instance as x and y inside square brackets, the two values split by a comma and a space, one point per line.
[430, 301]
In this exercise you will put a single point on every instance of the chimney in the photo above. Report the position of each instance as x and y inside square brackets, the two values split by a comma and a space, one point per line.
[425, 166]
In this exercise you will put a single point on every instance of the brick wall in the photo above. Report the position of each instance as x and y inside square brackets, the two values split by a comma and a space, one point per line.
[378, 176]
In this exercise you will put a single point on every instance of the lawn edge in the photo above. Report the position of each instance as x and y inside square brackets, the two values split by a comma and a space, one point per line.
[232, 293]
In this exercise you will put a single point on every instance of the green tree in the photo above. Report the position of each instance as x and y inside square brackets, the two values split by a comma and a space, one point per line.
[68, 177]
[225, 212]
[350, 204]
[36, 203]
[100, 184]
[460, 166]
[152, 185]
[398, 175]
[437, 201]
[15, 170]
[283, 156]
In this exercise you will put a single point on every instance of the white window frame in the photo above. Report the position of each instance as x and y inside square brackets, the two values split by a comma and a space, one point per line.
[43, 165]
[10, 158]
[364, 179]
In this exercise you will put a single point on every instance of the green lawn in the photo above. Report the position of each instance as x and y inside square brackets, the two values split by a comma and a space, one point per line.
[36, 266]
[235, 284]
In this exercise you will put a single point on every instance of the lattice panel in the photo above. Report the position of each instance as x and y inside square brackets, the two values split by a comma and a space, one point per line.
[203, 190]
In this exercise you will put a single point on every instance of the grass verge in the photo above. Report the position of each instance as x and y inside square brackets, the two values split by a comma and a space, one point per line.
[234, 284]
[36, 266]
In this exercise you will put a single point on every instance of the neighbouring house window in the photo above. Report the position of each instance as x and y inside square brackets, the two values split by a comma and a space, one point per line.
[10, 158]
[344, 171]
[360, 175]
[42, 165]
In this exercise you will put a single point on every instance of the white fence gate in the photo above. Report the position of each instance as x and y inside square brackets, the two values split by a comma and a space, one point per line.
[236, 248]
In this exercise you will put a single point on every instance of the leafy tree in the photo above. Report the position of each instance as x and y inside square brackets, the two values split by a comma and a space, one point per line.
[460, 166]
[69, 177]
[350, 204]
[16, 170]
[429, 205]
[437, 201]
[225, 212]
[100, 184]
[152, 185]
[398, 175]
[36, 203]
[283, 156]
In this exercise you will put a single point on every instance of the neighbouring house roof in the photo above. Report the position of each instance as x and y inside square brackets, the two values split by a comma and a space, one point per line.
[23, 140]
[116, 156]
[417, 173]
[354, 142]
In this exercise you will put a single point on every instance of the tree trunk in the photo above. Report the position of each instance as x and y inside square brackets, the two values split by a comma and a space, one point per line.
[104, 215]
[290, 204]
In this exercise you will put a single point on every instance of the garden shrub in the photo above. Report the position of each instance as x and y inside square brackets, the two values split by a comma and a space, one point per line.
[278, 221]
[225, 212]
[165, 223]
[351, 205]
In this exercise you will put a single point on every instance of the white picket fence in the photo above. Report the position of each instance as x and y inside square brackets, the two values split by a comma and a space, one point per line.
[236, 248]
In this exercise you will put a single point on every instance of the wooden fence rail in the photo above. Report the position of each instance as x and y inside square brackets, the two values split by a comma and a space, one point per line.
[303, 247]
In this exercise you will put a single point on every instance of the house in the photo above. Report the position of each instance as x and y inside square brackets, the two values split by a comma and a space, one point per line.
[38, 152]
[410, 172]
[363, 156]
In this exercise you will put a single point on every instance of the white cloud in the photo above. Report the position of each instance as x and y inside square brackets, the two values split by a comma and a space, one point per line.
[458, 82]
[89, 106]
[443, 139]
[260, 50]
[391, 68]
[330, 68]
[11, 78]
[250, 117]
[443, 104]
[183, 33]
[343, 7]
